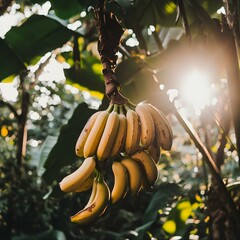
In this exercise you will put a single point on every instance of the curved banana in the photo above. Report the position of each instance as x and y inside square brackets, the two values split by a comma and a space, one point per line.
[134, 174]
[87, 184]
[133, 132]
[96, 206]
[147, 125]
[120, 182]
[93, 193]
[148, 165]
[73, 181]
[120, 137]
[95, 135]
[84, 134]
[154, 151]
[163, 132]
[108, 136]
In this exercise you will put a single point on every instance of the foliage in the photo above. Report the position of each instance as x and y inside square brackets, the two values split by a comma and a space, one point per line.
[158, 48]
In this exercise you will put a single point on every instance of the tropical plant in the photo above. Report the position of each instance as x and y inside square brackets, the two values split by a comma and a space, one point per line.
[52, 55]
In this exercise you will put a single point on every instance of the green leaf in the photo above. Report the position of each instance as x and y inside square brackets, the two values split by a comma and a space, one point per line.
[44, 151]
[63, 153]
[88, 74]
[10, 63]
[36, 36]
[160, 199]
[66, 9]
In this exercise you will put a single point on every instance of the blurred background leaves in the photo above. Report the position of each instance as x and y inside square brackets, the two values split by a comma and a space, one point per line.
[53, 44]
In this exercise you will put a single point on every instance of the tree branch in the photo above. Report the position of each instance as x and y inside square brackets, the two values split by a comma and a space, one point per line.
[22, 131]
[233, 78]
[212, 167]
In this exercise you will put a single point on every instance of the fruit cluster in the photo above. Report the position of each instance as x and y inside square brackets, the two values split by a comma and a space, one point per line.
[131, 137]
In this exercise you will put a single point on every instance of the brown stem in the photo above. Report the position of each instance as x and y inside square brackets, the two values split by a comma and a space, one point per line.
[38, 72]
[22, 131]
[233, 77]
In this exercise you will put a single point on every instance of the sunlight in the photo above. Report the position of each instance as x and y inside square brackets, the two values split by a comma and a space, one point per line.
[8, 91]
[196, 90]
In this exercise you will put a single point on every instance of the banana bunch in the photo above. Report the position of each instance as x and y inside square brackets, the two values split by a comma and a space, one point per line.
[133, 173]
[124, 129]
[130, 137]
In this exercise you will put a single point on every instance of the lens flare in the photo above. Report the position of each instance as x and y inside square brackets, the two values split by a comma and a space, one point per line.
[196, 89]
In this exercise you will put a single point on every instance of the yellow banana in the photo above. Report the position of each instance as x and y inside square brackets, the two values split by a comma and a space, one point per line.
[95, 135]
[133, 132]
[148, 165]
[163, 129]
[84, 134]
[96, 207]
[93, 193]
[73, 181]
[120, 181]
[147, 125]
[120, 137]
[108, 136]
[154, 151]
[134, 174]
[87, 184]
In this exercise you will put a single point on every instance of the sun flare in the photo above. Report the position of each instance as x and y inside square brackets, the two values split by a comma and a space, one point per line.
[196, 89]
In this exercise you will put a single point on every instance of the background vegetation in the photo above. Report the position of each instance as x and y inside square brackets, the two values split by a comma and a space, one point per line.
[181, 56]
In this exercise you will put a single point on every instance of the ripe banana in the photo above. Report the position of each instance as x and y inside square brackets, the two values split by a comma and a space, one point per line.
[134, 174]
[163, 132]
[95, 135]
[93, 193]
[96, 207]
[120, 137]
[74, 181]
[87, 184]
[120, 181]
[133, 132]
[84, 134]
[154, 151]
[108, 136]
[147, 125]
[148, 165]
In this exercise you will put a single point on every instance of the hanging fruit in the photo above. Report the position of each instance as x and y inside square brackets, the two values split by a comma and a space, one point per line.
[126, 135]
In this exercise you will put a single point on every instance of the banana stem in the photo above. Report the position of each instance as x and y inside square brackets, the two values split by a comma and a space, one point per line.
[127, 107]
[115, 108]
[131, 105]
[100, 177]
[110, 107]
[109, 35]
[121, 109]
